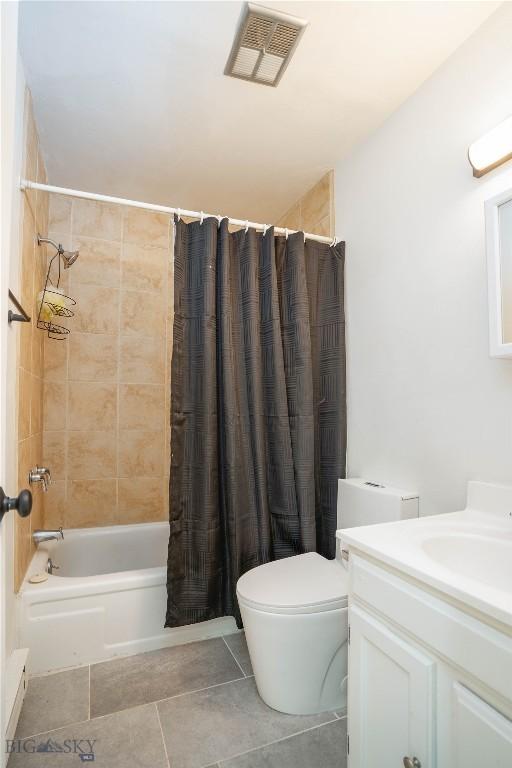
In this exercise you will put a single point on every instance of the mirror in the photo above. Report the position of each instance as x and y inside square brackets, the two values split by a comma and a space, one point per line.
[498, 224]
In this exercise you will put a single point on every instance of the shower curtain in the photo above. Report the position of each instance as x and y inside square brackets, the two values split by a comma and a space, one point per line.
[258, 414]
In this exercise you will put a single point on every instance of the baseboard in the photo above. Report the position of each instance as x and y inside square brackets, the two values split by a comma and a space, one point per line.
[15, 687]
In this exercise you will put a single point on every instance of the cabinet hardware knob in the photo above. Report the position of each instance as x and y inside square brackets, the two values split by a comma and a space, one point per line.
[411, 762]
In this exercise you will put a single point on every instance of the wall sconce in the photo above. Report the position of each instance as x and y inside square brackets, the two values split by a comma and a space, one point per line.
[492, 149]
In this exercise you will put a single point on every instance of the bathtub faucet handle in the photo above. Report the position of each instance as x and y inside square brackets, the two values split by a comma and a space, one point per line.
[40, 475]
[51, 567]
[46, 475]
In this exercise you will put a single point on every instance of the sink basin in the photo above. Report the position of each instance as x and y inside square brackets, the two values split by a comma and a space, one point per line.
[486, 559]
[466, 555]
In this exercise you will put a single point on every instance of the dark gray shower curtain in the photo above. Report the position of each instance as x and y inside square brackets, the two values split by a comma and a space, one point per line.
[258, 409]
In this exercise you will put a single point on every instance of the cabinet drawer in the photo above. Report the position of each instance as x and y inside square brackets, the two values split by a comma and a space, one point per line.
[465, 642]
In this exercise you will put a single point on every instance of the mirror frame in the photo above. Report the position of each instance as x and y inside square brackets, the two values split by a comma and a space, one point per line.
[498, 348]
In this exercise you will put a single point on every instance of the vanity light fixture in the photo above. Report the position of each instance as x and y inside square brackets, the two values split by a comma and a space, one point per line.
[492, 149]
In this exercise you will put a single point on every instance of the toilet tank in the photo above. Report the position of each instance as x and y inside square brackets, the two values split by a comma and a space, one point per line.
[362, 502]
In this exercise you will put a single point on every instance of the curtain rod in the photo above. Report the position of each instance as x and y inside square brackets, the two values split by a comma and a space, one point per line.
[25, 184]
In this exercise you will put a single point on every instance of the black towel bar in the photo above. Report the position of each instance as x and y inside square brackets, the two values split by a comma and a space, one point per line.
[12, 316]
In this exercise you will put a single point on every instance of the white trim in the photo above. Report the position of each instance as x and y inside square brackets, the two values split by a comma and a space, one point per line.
[15, 688]
[10, 119]
[492, 234]
[25, 184]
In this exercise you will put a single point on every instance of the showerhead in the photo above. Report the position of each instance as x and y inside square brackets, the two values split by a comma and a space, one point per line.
[68, 257]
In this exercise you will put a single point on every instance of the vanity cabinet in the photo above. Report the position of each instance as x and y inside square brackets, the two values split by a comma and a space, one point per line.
[391, 690]
[472, 732]
[429, 686]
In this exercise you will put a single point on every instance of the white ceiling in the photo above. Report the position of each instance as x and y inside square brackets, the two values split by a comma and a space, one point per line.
[131, 100]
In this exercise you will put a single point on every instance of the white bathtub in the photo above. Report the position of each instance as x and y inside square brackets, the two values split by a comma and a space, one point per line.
[108, 599]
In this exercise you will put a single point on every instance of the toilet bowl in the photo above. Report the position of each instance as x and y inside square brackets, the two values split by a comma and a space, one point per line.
[295, 610]
[296, 625]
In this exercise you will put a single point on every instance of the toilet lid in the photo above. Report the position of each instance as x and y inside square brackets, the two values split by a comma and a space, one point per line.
[300, 584]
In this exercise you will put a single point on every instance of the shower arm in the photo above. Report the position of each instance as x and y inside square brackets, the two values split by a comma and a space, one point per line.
[46, 240]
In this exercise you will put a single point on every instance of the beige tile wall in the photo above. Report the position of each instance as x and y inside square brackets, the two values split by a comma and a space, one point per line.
[314, 212]
[105, 408]
[34, 218]
[106, 402]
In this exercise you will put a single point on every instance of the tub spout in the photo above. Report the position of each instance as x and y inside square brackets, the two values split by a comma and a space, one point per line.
[40, 535]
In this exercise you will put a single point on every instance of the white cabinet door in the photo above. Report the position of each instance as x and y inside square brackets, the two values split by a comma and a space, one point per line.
[481, 736]
[390, 697]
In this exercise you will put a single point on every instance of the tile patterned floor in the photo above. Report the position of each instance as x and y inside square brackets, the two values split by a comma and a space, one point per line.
[191, 706]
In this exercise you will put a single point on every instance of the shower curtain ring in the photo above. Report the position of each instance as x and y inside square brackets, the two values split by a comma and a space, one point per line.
[334, 242]
[286, 233]
[219, 221]
[265, 227]
[202, 217]
[178, 213]
[246, 226]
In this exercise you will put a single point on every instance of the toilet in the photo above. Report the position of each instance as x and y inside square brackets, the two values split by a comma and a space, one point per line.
[295, 610]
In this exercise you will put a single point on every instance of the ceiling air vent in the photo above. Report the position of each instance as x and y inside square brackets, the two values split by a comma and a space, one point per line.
[264, 44]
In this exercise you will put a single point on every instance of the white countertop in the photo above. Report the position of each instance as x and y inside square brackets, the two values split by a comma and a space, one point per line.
[466, 555]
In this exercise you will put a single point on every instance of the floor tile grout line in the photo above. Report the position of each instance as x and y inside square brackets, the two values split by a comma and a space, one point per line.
[74, 667]
[177, 696]
[271, 743]
[144, 704]
[277, 741]
[197, 690]
[163, 737]
[89, 720]
[233, 655]
[66, 725]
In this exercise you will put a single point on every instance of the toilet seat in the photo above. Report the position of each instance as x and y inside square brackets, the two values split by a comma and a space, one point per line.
[302, 584]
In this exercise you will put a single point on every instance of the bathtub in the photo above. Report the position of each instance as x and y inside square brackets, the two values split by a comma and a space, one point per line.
[107, 599]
